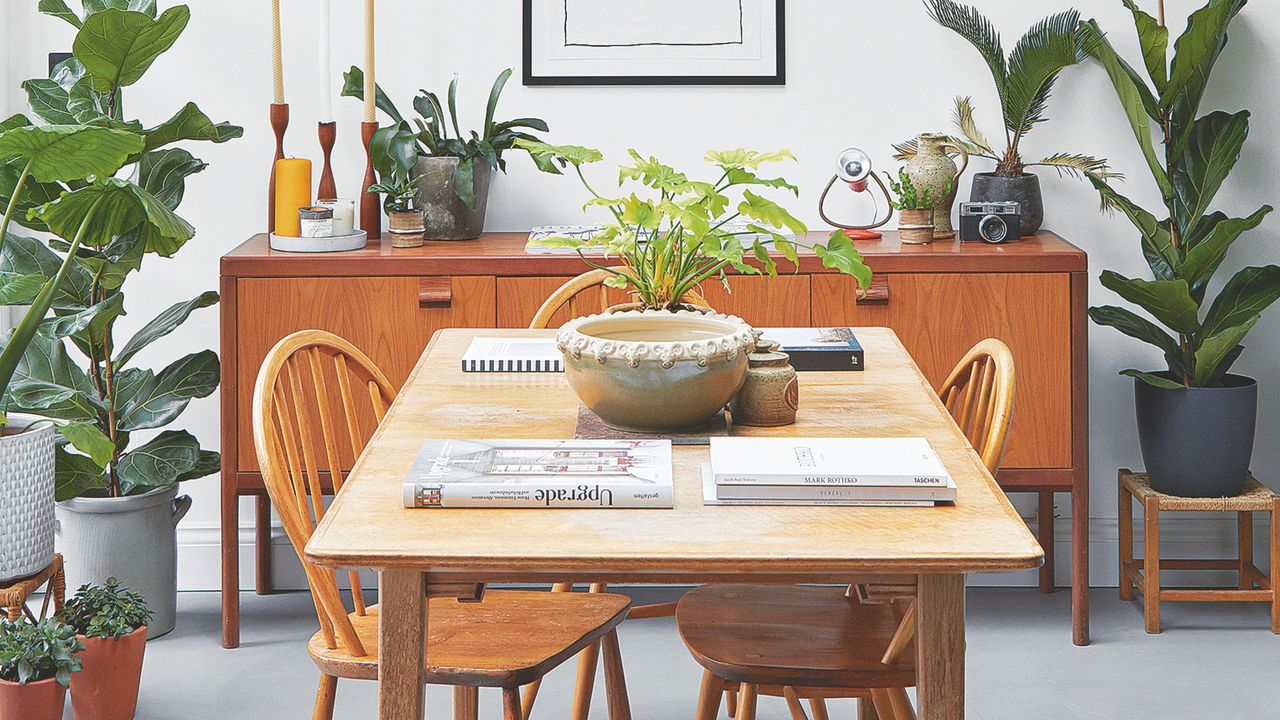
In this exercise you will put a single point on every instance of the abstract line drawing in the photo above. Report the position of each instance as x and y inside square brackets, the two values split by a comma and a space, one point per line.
[660, 23]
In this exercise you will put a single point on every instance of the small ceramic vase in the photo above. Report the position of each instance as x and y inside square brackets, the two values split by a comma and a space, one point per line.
[932, 168]
[406, 228]
[771, 394]
[915, 227]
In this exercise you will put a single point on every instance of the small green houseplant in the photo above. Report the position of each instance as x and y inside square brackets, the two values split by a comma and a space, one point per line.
[453, 168]
[1023, 81]
[36, 665]
[915, 208]
[111, 622]
[404, 218]
[1189, 156]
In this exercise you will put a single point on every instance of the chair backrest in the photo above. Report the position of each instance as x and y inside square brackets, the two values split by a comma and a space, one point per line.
[569, 292]
[314, 378]
[979, 395]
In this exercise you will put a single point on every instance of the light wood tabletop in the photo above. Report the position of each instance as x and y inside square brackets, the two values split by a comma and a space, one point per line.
[367, 526]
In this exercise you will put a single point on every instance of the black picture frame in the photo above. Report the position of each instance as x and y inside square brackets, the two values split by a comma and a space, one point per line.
[779, 77]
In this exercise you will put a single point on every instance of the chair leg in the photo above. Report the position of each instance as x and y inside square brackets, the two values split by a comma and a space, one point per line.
[819, 708]
[883, 705]
[530, 694]
[709, 697]
[466, 702]
[731, 700]
[793, 703]
[585, 684]
[1044, 530]
[746, 702]
[511, 703]
[324, 698]
[867, 709]
[615, 683]
[901, 704]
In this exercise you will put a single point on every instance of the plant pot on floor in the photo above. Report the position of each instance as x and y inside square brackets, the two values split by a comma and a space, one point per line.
[26, 497]
[1197, 442]
[1023, 189]
[106, 688]
[444, 215]
[40, 700]
[915, 227]
[131, 539]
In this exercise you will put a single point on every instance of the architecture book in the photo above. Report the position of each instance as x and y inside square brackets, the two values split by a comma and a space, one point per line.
[541, 474]
[814, 349]
[890, 462]
[710, 497]
[932, 493]
[512, 354]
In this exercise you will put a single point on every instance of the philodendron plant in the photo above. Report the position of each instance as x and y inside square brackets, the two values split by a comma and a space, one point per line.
[104, 227]
[681, 235]
[1189, 158]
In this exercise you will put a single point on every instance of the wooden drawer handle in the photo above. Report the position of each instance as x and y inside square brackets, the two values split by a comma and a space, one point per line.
[435, 292]
[878, 293]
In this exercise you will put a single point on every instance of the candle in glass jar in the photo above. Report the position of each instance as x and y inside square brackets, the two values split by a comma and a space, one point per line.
[344, 215]
[293, 192]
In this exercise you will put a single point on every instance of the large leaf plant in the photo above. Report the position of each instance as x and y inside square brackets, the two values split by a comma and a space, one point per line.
[1189, 157]
[104, 224]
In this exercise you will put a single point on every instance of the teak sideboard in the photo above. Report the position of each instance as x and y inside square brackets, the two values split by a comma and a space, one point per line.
[939, 298]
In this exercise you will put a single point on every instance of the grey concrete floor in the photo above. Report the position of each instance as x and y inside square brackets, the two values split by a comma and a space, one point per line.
[1212, 661]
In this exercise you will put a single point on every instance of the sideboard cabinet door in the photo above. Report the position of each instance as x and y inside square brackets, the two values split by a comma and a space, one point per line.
[940, 316]
[390, 318]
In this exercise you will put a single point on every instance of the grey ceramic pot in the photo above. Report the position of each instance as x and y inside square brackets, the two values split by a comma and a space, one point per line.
[1024, 190]
[1197, 442]
[26, 498]
[132, 539]
[444, 216]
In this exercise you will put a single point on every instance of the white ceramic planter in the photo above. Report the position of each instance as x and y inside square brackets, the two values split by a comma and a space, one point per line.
[131, 539]
[26, 498]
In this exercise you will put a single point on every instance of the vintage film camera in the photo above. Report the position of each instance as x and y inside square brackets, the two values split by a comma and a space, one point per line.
[991, 222]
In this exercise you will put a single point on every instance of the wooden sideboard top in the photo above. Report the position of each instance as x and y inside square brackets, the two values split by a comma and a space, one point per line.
[503, 254]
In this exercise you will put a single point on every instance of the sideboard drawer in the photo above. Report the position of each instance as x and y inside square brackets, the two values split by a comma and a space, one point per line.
[390, 318]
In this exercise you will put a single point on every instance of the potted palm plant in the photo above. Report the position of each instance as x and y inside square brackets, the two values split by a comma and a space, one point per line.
[36, 663]
[111, 623]
[1196, 419]
[115, 480]
[1023, 84]
[659, 365]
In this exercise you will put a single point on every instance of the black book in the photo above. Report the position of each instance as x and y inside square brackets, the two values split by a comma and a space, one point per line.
[818, 348]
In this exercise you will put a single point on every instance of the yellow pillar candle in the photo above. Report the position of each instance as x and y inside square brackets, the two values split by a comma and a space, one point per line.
[293, 192]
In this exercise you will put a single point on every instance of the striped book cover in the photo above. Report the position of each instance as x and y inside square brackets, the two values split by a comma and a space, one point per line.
[512, 355]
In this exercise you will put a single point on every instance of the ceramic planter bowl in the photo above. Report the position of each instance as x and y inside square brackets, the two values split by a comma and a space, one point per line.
[444, 216]
[26, 498]
[41, 700]
[106, 688]
[655, 371]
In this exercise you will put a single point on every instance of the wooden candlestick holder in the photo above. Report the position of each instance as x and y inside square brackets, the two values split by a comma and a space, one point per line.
[279, 123]
[370, 213]
[328, 133]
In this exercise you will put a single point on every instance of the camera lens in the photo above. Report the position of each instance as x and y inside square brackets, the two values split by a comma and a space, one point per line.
[993, 229]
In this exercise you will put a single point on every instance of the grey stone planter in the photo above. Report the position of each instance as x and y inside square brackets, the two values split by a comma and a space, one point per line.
[444, 216]
[131, 539]
[26, 498]
[1024, 190]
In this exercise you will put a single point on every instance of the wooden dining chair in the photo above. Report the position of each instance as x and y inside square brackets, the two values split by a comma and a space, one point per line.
[806, 642]
[569, 294]
[318, 400]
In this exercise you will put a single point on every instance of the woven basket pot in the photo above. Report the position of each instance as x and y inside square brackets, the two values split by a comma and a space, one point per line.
[26, 497]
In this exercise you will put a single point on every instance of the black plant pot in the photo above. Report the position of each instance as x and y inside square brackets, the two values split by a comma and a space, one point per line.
[1024, 190]
[1197, 442]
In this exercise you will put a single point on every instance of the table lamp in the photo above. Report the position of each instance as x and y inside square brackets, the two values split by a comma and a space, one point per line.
[853, 166]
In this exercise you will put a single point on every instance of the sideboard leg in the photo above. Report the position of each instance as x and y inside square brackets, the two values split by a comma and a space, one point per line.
[230, 564]
[1080, 562]
[1044, 533]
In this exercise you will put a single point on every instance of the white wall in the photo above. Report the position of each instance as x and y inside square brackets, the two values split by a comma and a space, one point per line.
[900, 83]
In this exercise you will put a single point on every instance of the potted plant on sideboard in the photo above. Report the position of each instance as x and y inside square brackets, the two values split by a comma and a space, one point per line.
[118, 505]
[1023, 83]
[1196, 420]
[915, 208]
[111, 623]
[399, 185]
[36, 663]
[660, 365]
[453, 171]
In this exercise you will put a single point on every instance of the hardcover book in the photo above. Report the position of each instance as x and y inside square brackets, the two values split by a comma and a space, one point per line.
[710, 496]
[883, 462]
[813, 349]
[541, 474]
[512, 355]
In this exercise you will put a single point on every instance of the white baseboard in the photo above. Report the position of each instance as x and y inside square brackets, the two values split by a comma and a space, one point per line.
[1181, 536]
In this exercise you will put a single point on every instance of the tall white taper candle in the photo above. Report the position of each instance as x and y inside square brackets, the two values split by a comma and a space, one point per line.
[326, 64]
[369, 84]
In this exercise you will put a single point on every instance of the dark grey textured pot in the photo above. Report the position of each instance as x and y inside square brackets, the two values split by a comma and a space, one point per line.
[1197, 442]
[444, 216]
[1024, 190]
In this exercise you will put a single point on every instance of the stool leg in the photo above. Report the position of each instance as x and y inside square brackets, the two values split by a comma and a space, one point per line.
[1151, 565]
[1044, 532]
[1275, 566]
[731, 700]
[1244, 546]
[709, 696]
[1126, 542]
[747, 702]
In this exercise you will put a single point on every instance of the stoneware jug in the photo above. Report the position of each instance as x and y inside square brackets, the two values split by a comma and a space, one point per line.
[933, 169]
[771, 394]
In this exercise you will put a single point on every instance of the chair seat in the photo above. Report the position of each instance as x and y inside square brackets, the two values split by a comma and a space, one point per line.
[791, 635]
[510, 638]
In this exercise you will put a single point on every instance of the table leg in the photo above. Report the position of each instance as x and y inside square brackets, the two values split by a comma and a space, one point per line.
[1080, 560]
[230, 541]
[940, 647]
[402, 625]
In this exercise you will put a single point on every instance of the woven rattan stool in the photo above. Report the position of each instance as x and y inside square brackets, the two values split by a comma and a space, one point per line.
[1144, 572]
[13, 597]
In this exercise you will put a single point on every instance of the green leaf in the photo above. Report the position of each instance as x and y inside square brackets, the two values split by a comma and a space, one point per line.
[190, 123]
[494, 93]
[1153, 38]
[59, 9]
[88, 324]
[19, 289]
[23, 255]
[162, 461]
[164, 397]
[353, 86]
[1168, 301]
[1196, 51]
[741, 176]
[1216, 348]
[48, 100]
[123, 207]
[1205, 256]
[840, 254]
[207, 463]
[164, 174]
[640, 213]
[395, 153]
[464, 181]
[88, 439]
[48, 382]
[1050, 46]
[1245, 295]
[117, 46]
[1135, 326]
[1212, 149]
[969, 24]
[743, 158]
[1157, 245]
[67, 153]
[1153, 380]
[143, 6]
[76, 475]
[163, 324]
[769, 213]
[575, 155]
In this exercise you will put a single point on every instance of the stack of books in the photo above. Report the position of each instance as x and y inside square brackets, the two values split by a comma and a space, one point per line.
[826, 471]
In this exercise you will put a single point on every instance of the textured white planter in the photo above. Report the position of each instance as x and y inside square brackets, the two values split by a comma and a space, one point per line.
[131, 539]
[26, 498]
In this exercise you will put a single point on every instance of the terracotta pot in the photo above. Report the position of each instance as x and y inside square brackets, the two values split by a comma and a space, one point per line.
[107, 686]
[40, 700]
[915, 227]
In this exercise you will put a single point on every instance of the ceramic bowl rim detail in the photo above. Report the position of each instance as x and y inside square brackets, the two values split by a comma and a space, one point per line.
[738, 338]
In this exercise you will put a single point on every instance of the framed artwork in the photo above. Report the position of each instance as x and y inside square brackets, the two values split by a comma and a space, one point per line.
[655, 42]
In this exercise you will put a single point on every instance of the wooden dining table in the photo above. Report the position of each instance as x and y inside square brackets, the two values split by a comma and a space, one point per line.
[435, 552]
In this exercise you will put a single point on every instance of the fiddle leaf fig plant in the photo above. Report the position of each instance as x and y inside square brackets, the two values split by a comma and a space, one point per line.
[1189, 157]
[684, 233]
[112, 206]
